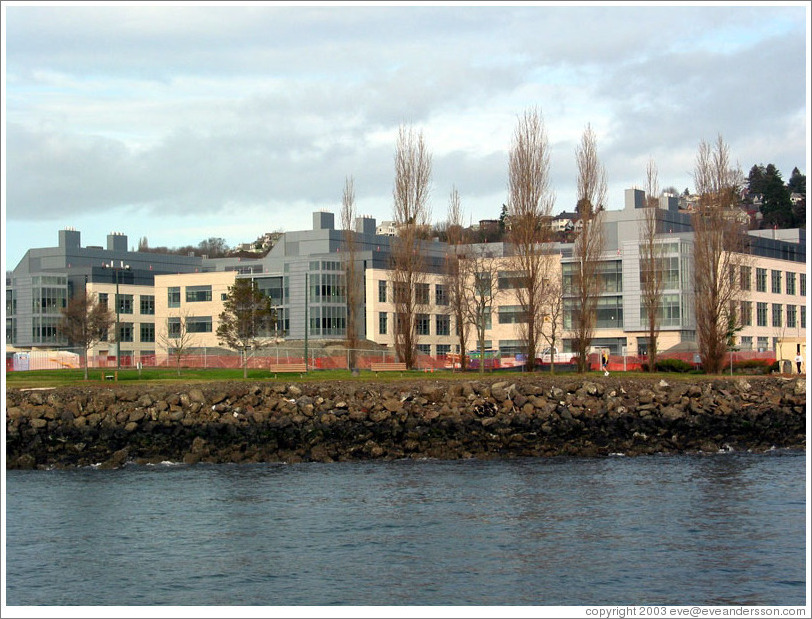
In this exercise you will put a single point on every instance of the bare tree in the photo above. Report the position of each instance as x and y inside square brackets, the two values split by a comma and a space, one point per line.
[480, 290]
[589, 244]
[651, 264]
[85, 323]
[177, 340]
[454, 279]
[411, 218]
[530, 203]
[719, 252]
[553, 310]
[351, 274]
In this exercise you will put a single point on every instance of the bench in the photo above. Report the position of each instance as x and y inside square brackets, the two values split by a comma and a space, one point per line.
[281, 368]
[388, 367]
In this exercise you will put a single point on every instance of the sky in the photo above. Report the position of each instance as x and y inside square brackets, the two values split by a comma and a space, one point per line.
[179, 121]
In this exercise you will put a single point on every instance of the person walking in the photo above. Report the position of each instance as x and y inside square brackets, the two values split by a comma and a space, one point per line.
[605, 362]
[799, 361]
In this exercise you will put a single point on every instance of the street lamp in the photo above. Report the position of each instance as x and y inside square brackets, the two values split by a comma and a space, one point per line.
[117, 270]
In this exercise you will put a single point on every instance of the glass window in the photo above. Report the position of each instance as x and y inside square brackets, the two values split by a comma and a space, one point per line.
[511, 314]
[746, 342]
[776, 282]
[746, 275]
[778, 310]
[802, 279]
[147, 304]
[609, 312]
[421, 294]
[382, 319]
[103, 297]
[173, 326]
[125, 331]
[440, 294]
[792, 320]
[173, 296]
[125, 303]
[423, 324]
[382, 291]
[790, 282]
[763, 343]
[198, 324]
[761, 314]
[803, 317]
[508, 280]
[198, 294]
[443, 349]
[423, 349]
[761, 280]
[669, 311]
[443, 324]
[746, 311]
[147, 332]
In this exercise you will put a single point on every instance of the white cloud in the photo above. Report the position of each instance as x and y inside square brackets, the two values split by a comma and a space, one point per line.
[197, 113]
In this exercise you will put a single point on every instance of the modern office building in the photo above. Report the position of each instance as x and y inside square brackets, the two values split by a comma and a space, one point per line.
[303, 274]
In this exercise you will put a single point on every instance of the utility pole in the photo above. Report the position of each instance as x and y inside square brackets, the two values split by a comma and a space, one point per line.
[117, 270]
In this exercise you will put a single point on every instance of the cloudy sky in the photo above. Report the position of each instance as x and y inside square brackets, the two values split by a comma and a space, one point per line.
[184, 122]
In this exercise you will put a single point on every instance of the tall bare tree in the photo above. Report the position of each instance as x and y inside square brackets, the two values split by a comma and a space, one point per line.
[553, 309]
[411, 218]
[589, 244]
[454, 279]
[351, 273]
[651, 264]
[530, 203]
[719, 252]
[85, 322]
[480, 283]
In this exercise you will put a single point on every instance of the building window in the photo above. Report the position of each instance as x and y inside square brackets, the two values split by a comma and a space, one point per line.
[443, 324]
[422, 324]
[401, 293]
[198, 324]
[147, 304]
[421, 294]
[173, 327]
[511, 314]
[125, 303]
[198, 294]
[790, 282]
[746, 311]
[510, 280]
[382, 291]
[423, 349]
[610, 275]
[777, 312]
[382, 319]
[669, 311]
[746, 342]
[609, 312]
[791, 316]
[173, 296]
[745, 276]
[510, 348]
[440, 295]
[802, 279]
[762, 344]
[803, 317]
[776, 282]
[103, 297]
[761, 280]
[761, 314]
[125, 332]
[443, 349]
[147, 332]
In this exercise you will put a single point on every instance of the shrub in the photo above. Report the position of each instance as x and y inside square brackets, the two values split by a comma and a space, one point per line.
[673, 365]
[754, 366]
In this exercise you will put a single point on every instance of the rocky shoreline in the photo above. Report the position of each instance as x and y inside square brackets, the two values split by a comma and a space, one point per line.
[486, 418]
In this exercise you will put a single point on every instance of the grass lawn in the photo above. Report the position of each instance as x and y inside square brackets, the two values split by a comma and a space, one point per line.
[57, 378]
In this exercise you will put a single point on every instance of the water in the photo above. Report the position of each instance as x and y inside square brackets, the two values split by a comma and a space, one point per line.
[688, 529]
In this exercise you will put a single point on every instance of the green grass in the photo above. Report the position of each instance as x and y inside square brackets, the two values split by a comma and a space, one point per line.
[58, 378]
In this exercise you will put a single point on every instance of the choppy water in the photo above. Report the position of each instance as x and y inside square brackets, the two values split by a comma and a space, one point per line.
[699, 529]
